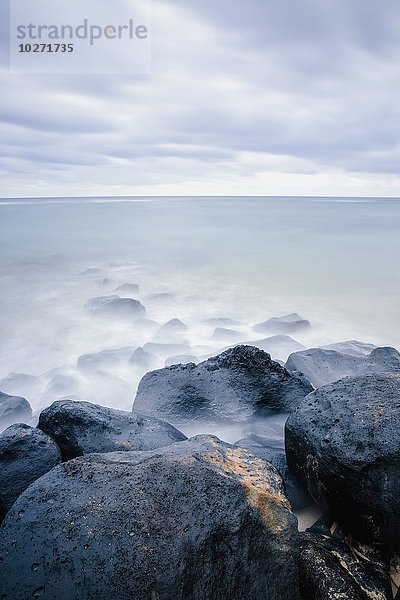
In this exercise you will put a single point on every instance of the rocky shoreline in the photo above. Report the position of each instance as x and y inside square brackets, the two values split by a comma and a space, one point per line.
[102, 503]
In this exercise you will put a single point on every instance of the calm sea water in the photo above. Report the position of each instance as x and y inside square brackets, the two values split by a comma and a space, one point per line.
[333, 260]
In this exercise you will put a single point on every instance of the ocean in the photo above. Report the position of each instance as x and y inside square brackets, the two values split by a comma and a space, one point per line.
[332, 260]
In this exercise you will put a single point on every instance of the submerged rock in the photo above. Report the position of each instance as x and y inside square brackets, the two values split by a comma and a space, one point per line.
[352, 347]
[164, 350]
[343, 443]
[222, 333]
[297, 494]
[127, 288]
[81, 428]
[278, 346]
[26, 453]
[21, 384]
[13, 409]
[199, 519]
[141, 358]
[292, 323]
[105, 359]
[326, 366]
[173, 326]
[334, 566]
[119, 307]
[237, 385]
[180, 359]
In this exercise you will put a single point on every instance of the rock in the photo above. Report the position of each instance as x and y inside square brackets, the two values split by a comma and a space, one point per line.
[278, 346]
[128, 288]
[239, 385]
[180, 359]
[146, 325]
[13, 409]
[141, 358]
[292, 323]
[343, 443]
[105, 359]
[92, 272]
[352, 347]
[94, 303]
[21, 384]
[298, 496]
[26, 453]
[164, 350]
[60, 385]
[221, 333]
[326, 366]
[120, 308]
[173, 326]
[81, 428]
[163, 298]
[198, 520]
[221, 322]
[332, 566]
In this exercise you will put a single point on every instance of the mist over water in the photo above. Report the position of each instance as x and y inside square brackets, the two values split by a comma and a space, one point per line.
[331, 260]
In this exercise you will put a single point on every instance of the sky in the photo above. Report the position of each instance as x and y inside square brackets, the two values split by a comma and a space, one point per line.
[249, 97]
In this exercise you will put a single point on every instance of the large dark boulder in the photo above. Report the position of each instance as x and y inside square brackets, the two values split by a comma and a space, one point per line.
[198, 520]
[333, 566]
[13, 409]
[26, 453]
[81, 428]
[266, 449]
[343, 443]
[292, 323]
[325, 366]
[238, 385]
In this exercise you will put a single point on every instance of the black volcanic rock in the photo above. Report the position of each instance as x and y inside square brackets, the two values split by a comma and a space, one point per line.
[297, 494]
[334, 566]
[13, 409]
[237, 385]
[198, 520]
[343, 442]
[81, 428]
[292, 323]
[325, 366]
[26, 453]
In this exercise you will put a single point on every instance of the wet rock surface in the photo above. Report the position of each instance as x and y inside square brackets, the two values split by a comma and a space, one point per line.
[81, 428]
[297, 494]
[292, 323]
[13, 409]
[237, 385]
[333, 566]
[325, 366]
[199, 519]
[26, 453]
[343, 443]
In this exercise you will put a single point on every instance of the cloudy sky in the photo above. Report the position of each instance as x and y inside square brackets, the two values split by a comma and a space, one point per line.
[288, 97]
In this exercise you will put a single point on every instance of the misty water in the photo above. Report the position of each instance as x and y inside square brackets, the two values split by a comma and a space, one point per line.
[332, 260]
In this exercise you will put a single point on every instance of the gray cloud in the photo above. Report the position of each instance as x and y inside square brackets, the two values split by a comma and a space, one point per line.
[237, 90]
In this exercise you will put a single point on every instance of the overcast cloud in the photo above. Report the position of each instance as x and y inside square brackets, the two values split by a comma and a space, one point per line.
[245, 97]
